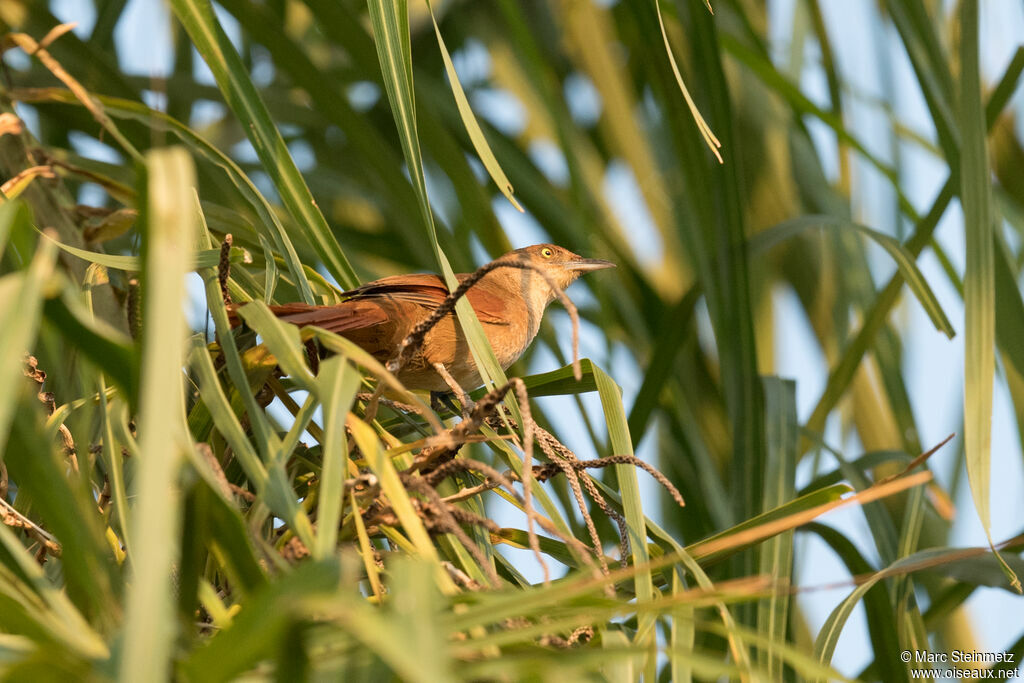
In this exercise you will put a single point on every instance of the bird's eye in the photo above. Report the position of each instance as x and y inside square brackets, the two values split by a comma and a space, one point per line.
[546, 253]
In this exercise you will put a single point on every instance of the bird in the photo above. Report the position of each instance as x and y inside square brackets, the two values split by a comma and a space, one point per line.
[509, 301]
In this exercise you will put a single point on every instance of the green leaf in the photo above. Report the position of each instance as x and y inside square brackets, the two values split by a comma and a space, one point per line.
[13, 216]
[622, 444]
[283, 341]
[255, 634]
[212, 394]
[268, 476]
[414, 611]
[170, 237]
[390, 23]
[881, 627]
[973, 566]
[233, 80]
[905, 261]
[864, 463]
[108, 349]
[54, 613]
[776, 554]
[804, 502]
[518, 538]
[676, 324]
[20, 309]
[702, 125]
[267, 441]
[979, 279]
[272, 485]
[560, 382]
[1009, 306]
[931, 66]
[209, 258]
[225, 532]
[65, 507]
[339, 382]
[476, 135]
[392, 487]
[682, 635]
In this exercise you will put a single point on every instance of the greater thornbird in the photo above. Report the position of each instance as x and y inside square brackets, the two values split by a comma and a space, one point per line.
[509, 301]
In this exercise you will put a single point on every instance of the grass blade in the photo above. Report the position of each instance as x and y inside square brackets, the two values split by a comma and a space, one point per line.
[171, 231]
[339, 381]
[476, 135]
[20, 310]
[270, 480]
[776, 555]
[979, 279]
[107, 348]
[208, 258]
[232, 78]
[881, 626]
[702, 125]
[392, 487]
[56, 613]
[620, 443]
[64, 507]
[904, 260]
[282, 339]
[390, 22]
[256, 633]
[681, 635]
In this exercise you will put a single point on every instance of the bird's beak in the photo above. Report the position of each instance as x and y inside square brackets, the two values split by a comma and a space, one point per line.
[585, 265]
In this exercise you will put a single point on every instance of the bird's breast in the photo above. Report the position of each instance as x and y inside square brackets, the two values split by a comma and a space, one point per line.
[508, 341]
[508, 322]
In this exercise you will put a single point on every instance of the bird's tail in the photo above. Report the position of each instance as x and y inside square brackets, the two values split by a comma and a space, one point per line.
[338, 318]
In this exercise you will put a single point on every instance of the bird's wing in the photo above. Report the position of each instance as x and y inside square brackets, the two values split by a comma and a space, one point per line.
[428, 291]
[338, 318]
[425, 290]
[374, 313]
[373, 325]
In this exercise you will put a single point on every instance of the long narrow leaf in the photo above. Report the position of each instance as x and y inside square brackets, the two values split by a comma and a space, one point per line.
[340, 382]
[390, 22]
[20, 311]
[208, 258]
[979, 279]
[904, 260]
[159, 121]
[776, 554]
[618, 436]
[476, 135]
[170, 237]
[209, 38]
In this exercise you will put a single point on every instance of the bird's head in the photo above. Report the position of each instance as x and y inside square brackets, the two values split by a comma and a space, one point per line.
[559, 264]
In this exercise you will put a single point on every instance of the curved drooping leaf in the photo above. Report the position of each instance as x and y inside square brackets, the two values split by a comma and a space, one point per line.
[979, 277]
[476, 135]
[208, 258]
[243, 98]
[904, 260]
